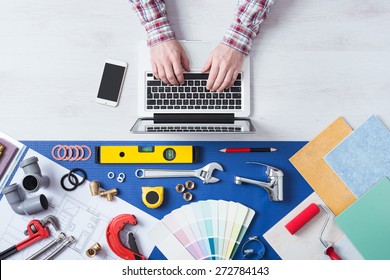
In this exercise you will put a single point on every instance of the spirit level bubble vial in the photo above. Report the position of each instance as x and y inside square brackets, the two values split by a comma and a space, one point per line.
[146, 154]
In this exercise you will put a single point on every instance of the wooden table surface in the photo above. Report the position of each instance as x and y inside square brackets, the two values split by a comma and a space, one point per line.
[313, 61]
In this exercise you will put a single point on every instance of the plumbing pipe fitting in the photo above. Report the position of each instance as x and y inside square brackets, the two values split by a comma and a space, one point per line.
[2, 149]
[94, 187]
[23, 206]
[33, 179]
[93, 250]
[109, 194]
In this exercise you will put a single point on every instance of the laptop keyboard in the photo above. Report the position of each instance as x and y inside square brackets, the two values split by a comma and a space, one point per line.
[192, 95]
[193, 128]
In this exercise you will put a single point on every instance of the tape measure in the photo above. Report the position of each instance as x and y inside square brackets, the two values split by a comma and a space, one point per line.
[153, 197]
[146, 154]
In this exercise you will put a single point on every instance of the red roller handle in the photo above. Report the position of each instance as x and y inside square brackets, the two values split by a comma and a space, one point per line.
[332, 253]
[302, 218]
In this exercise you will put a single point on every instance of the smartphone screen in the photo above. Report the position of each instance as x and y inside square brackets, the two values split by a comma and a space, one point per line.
[111, 83]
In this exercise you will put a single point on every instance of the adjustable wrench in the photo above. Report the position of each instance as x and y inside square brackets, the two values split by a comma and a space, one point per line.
[203, 173]
[36, 230]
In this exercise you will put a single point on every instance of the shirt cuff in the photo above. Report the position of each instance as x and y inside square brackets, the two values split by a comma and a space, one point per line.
[239, 38]
[159, 31]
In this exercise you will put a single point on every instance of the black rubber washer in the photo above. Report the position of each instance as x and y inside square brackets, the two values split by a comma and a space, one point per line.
[74, 186]
[72, 172]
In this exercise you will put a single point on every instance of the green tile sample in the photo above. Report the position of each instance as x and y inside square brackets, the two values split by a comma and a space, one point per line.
[367, 222]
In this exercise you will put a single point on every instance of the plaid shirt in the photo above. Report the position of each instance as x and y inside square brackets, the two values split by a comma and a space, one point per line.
[245, 27]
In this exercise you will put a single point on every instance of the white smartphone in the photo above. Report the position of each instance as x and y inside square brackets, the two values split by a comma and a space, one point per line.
[111, 83]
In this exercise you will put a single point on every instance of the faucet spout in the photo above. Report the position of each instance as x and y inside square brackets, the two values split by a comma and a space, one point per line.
[274, 186]
[239, 180]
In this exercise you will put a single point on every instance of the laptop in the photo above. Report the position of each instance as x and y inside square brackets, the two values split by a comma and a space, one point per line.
[191, 108]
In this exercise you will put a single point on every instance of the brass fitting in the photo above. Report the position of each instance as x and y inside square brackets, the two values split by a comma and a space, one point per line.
[2, 148]
[94, 187]
[93, 250]
[109, 194]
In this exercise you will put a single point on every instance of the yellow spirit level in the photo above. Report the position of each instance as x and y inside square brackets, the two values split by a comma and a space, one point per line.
[146, 154]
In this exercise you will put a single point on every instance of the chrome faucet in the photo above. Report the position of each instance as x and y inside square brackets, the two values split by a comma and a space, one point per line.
[274, 186]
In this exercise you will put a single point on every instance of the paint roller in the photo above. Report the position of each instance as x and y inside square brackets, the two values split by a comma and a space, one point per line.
[304, 217]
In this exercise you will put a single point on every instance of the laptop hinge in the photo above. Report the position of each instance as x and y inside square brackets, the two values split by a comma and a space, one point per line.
[193, 118]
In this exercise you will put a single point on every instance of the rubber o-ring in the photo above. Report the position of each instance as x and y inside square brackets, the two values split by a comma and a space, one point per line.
[81, 151]
[89, 151]
[53, 152]
[58, 152]
[74, 178]
[62, 148]
[68, 153]
[74, 157]
[84, 177]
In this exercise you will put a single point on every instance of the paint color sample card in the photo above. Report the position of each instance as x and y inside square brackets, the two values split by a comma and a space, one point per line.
[310, 163]
[203, 230]
[366, 222]
[363, 158]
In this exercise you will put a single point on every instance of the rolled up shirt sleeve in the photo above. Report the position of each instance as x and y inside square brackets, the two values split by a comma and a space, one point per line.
[153, 16]
[246, 25]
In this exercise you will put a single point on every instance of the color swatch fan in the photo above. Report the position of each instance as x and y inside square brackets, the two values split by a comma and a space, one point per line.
[204, 230]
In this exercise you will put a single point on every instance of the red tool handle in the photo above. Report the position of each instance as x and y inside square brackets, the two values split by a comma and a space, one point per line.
[114, 242]
[36, 231]
[332, 253]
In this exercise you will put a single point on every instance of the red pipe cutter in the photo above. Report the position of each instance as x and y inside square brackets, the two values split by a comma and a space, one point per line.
[36, 230]
[114, 228]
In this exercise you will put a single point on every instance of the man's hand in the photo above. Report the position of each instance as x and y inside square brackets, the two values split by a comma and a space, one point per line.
[224, 64]
[168, 60]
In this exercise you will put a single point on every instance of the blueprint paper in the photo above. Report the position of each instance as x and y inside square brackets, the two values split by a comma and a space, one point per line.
[81, 215]
[366, 222]
[305, 244]
[310, 163]
[363, 158]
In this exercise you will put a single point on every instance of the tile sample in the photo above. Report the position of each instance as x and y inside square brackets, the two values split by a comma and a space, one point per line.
[366, 222]
[363, 158]
[310, 163]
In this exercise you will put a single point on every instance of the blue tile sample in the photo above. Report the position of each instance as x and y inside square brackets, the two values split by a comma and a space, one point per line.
[363, 158]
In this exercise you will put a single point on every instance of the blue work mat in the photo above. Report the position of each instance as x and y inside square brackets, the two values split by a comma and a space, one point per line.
[267, 214]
